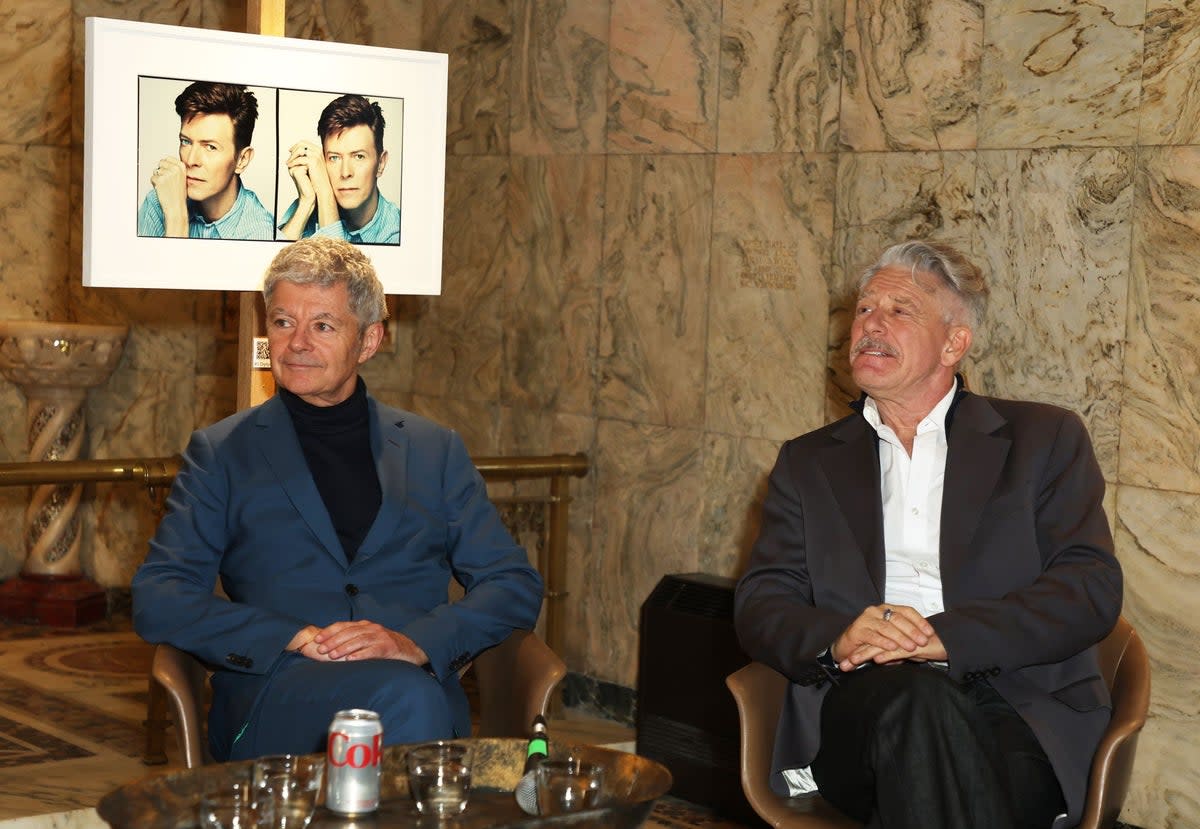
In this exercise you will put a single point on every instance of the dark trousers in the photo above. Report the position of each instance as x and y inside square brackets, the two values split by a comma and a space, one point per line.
[906, 746]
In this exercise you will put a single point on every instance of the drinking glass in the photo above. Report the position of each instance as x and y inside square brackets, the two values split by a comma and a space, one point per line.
[233, 806]
[289, 784]
[439, 777]
[568, 786]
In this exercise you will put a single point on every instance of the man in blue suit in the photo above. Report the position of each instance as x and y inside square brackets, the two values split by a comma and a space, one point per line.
[335, 524]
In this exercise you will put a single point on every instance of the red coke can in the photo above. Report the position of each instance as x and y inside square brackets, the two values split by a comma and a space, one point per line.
[353, 761]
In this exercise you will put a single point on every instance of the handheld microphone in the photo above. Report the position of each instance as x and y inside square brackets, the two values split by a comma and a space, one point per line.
[535, 753]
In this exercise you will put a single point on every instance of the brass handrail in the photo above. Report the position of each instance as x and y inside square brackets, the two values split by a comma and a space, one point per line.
[158, 471]
[156, 474]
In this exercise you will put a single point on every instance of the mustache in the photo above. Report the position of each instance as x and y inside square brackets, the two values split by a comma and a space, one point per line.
[871, 344]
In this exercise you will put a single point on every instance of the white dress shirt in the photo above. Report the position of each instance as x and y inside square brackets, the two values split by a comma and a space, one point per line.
[911, 488]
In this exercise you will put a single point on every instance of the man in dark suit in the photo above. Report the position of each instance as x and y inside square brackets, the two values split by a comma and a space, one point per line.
[932, 574]
[335, 524]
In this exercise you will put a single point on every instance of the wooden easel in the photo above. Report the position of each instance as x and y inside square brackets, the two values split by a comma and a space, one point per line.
[254, 385]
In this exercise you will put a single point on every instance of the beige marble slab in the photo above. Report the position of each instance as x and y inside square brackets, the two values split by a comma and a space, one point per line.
[663, 76]
[35, 72]
[138, 413]
[1060, 72]
[882, 199]
[457, 339]
[652, 331]
[649, 496]
[560, 76]
[34, 235]
[551, 305]
[392, 23]
[477, 422]
[735, 484]
[780, 75]
[1054, 241]
[1170, 104]
[768, 298]
[911, 79]
[530, 432]
[477, 36]
[1160, 445]
[1156, 545]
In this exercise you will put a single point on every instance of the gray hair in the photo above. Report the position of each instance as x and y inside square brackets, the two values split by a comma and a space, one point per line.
[957, 272]
[325, 262]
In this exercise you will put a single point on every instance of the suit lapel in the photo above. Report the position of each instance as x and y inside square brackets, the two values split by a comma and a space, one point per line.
[975, 458]
[281, 449]
[389, 447]
[852, 469]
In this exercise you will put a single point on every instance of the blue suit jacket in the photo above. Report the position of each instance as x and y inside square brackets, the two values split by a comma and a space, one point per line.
[1028, 573]
[245, 507]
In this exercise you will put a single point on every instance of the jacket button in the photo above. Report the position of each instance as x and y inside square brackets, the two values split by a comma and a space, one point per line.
[351, 589]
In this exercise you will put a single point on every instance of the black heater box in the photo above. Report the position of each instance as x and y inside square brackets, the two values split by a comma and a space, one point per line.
[686, 717]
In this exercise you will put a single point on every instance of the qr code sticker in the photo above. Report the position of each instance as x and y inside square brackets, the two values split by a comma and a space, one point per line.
[262, 353]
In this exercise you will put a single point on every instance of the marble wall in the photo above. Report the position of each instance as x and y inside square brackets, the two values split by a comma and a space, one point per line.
[652, 214]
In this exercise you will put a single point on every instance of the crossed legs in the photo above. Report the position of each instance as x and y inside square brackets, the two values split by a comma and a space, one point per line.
[906, 746]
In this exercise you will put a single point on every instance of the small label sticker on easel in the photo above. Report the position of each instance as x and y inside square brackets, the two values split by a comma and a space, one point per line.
[262, 353]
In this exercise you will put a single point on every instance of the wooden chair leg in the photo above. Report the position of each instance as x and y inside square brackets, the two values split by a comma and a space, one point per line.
[156, 725]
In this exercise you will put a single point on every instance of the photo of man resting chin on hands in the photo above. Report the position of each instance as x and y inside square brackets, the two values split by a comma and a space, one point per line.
[197, 192]
[337, 183]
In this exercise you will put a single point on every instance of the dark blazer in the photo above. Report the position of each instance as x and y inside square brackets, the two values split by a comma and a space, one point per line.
[244, 507]
[1029, 578]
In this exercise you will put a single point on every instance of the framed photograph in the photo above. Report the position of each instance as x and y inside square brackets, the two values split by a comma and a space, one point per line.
[205, 152]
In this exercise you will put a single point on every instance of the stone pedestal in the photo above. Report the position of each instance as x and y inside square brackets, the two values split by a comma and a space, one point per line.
[55, 364]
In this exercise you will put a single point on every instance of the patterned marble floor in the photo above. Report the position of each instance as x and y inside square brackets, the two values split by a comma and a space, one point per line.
[71, 711]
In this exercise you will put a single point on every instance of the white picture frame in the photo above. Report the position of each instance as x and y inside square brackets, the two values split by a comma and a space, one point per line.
[133, 70]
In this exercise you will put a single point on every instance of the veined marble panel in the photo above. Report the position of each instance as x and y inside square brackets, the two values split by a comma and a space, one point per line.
[735, 484]
[30, 293]
[477, 34]
[137, 413]
[391, 372]
[457, 341]
[560, 75]
[527, 431]
[911, 79]
[214, 399]
[551, 291]
[1170, 108]
[780, 75]
[162, 312]
[882, 199]
[477, 422]
[35, 73]
[649, 497]
[768, 301]
[653, 330]
[663, 76]
[1160, 415]
[1156, 543]
[1060, 72]
[395, 24]
[1054, 242]
[34, 234]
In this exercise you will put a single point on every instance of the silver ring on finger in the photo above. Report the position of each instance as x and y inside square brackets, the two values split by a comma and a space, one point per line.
[887, 614]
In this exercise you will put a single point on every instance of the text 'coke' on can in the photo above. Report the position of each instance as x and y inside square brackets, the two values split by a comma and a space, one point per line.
[353, 761]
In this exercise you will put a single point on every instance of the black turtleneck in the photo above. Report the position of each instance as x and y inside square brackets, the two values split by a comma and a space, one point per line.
[336, 441]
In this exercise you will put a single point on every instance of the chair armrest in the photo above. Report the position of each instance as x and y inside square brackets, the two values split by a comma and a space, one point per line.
[516, 680]
[183, 677]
